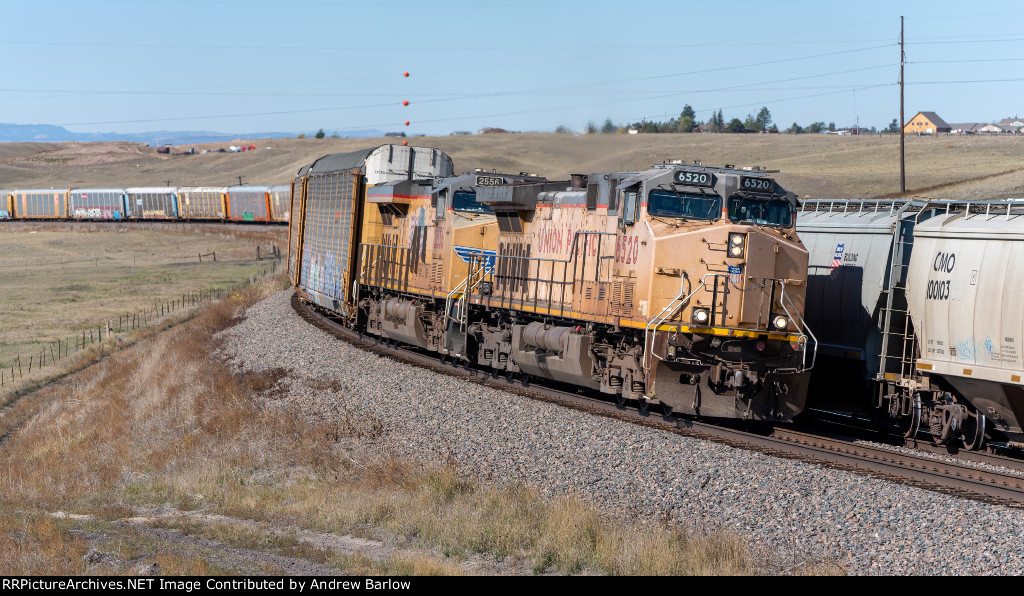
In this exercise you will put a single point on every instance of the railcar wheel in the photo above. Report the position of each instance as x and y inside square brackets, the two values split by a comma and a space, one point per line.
[911, 423]
[974, 432]
[620, 400]
[666, 410]
[642, 405]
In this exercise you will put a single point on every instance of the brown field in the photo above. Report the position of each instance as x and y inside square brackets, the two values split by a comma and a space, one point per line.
[60, 280]
[813, 166]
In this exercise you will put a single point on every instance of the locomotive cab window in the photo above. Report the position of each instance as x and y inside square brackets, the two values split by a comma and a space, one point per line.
[683, 205]
[630, 198]
[465, 202]
[441, 206]
[762, 212]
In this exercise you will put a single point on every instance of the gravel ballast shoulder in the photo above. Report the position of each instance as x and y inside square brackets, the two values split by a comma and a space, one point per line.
[786, 508]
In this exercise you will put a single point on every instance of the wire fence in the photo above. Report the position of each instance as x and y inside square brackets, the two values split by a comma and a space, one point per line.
[54, 351]
[262, 253]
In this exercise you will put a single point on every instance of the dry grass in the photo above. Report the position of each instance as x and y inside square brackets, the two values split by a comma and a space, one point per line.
[61, 283]
[164, 423]
[815, 166]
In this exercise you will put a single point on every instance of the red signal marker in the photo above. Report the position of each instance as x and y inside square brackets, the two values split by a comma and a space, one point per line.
[405, 102]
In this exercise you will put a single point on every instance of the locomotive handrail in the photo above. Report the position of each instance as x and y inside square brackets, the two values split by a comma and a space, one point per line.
[465, 288]
[660, 317]
[793, 315]
[575, 257]
[805, 329]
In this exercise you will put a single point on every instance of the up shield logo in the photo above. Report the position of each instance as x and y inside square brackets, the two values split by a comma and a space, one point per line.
[837, 259]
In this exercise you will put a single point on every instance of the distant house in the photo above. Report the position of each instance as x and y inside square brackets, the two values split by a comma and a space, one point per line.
[1011, 124]
[990, 128]
[926, 123]
[966, 128]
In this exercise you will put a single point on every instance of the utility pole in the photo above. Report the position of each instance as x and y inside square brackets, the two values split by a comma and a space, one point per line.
[240, 178]
[903, 164]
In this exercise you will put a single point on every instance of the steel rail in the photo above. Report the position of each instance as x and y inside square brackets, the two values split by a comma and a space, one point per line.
[839, 453]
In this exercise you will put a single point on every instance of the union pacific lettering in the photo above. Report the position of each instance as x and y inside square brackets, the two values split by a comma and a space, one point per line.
[561, 240]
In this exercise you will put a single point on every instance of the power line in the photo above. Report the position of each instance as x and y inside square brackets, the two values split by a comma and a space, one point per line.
[433, 48]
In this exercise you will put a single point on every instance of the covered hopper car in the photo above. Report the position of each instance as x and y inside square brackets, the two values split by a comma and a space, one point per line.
[918, 312]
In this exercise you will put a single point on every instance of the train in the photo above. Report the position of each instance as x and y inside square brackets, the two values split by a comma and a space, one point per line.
[918, 315]
[680, 287]
[700, 290]
[247, 203]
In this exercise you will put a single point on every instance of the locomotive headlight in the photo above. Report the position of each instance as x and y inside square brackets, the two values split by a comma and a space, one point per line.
[736, 245]
[700, 316]
[780, 322]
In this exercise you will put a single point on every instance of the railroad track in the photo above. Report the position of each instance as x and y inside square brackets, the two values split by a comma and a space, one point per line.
[838, 452]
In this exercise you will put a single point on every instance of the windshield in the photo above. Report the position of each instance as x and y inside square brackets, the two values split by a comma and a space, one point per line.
[761, 212]
[465, 200]
[666, 203]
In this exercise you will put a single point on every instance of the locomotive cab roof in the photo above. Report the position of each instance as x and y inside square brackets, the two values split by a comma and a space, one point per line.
[727, 182]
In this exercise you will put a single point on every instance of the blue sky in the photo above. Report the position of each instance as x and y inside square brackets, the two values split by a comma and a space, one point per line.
[282, 66]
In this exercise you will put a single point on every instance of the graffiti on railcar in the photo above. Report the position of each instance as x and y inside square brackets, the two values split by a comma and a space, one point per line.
[96, 213]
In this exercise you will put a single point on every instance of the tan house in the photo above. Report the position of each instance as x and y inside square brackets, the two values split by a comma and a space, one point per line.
[926, 123]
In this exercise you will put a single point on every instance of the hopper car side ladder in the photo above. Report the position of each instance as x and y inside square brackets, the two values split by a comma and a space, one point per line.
[895, 315]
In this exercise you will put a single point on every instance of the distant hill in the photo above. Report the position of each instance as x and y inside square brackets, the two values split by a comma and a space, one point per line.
[46, 133]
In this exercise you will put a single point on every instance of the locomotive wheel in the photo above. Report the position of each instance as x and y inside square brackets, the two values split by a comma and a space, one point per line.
[974, 432]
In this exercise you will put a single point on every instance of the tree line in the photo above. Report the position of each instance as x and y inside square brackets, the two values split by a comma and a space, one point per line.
[687, 122]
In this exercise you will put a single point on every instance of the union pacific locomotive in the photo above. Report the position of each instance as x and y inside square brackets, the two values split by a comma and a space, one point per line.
[681, 286]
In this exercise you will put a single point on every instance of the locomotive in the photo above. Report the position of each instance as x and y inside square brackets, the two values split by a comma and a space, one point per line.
[681, 286]
[918, 315]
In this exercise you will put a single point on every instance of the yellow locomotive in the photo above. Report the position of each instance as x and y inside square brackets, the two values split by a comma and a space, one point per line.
[680, 286]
